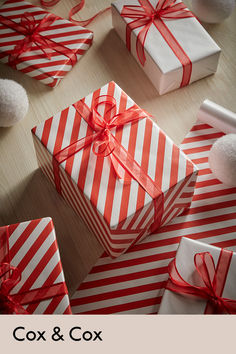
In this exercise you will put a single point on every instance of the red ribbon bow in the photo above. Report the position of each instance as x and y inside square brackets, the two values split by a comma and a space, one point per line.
[11, 276]
[145, 15]
[211, 278]
[105, 144]
[31, 29]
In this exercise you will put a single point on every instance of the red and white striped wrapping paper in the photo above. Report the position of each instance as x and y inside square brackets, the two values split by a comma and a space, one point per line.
[34, 63]
[117, 213]
[34, 251]
[134, 283]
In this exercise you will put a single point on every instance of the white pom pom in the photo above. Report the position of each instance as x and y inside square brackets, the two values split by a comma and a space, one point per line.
[14, 102]
[222, 159]
[212, 11]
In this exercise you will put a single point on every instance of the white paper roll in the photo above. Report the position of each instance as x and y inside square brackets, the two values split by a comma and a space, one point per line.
[217, 116]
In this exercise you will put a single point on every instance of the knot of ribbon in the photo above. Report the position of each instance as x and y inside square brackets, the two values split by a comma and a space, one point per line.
[211, 281]
[31, 29]
[145, 15]
[11, 276]
[105, 144]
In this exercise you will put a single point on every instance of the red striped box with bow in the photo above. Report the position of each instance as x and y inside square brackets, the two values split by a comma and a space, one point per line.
[40, 44]
[135, 282]
[31, 275]
[167, 41]
[115, 167]
[201, 280]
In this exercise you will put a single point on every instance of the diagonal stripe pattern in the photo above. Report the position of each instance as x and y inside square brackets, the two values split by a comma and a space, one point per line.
[34, 63]
[34, 251]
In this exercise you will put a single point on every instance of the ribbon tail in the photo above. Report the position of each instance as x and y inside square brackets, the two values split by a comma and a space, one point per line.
[230, 306]
[205, 266]
[20, 48]
[74, 10]
[121, 173]
[141, 42]
[135, 170]
[84, 23]
[139, 22]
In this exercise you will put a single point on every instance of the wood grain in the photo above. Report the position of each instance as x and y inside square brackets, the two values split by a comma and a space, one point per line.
[26, 194]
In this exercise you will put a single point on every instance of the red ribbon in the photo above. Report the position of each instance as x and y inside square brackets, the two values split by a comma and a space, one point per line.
[31, 28]
[10, 276]
[144, 16]
[105, 144]
[75, 10]
[211, 280]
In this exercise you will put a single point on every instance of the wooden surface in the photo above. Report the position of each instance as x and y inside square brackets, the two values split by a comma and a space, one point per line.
[24, 191]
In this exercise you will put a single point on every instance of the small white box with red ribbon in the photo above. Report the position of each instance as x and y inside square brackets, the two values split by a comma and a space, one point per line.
[201, 280]
[167, 41]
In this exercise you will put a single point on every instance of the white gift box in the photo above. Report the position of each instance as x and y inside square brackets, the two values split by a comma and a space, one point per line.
[173, 303]
[162, 65]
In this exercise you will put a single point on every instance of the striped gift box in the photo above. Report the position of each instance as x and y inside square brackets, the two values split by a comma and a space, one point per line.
[34, 63]
[118, 213]
[34, 251]
[135, 282]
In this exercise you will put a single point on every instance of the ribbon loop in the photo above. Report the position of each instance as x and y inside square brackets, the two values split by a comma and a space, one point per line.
[211, 281]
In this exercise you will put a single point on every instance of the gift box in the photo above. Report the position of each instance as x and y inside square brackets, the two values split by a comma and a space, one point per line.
[40, 44]
[135, 282]
[115, 167]
[202, 280]
[31, 275]
[167, 41]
